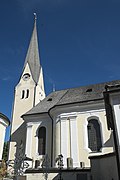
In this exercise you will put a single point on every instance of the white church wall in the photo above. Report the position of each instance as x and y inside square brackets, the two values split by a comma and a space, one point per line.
[74, 141]
[40, 92]
[28, 148]
[82, 120]
[114, 97]
[33, 124]
[69, 139]
[56, 139]
[21, 106]
[41, 84]
[76, 132]
[2, 137]
[4, 122]
[65, 139]
[115, 101]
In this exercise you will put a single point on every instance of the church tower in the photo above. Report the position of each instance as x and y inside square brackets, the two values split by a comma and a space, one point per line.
[28, 92]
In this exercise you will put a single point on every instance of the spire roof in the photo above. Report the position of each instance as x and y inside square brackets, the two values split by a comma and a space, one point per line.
[32, 57]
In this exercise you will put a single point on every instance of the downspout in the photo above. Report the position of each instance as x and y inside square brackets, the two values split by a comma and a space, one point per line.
[51, 139]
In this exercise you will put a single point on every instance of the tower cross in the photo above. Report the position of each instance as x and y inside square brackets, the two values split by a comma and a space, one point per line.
[35, 15]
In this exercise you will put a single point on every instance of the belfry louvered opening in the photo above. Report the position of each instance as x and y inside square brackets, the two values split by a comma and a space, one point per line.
[41, 140]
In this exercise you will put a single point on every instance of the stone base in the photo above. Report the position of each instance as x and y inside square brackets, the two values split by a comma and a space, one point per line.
[20, 178]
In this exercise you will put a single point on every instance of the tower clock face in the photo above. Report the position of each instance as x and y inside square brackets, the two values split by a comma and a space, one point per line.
[26, 76]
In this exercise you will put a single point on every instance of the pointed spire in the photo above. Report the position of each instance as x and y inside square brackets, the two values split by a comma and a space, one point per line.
[35, 16]
[32, 57]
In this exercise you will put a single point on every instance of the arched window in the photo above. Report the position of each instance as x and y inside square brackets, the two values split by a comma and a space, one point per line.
[94, 135]
[23, 94]
[27, 93]
[41, 140]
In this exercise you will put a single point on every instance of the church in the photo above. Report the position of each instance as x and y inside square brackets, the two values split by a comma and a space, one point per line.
[69, 123]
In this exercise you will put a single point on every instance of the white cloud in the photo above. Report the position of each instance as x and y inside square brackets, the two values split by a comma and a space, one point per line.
[6, 78]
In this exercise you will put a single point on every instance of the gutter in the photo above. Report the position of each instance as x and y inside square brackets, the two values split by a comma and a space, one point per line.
[57, 105]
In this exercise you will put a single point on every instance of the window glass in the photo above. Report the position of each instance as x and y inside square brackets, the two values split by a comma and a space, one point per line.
[41, 140]
[94, 135]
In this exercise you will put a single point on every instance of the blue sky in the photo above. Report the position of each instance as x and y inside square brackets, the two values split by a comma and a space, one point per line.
[79, 43]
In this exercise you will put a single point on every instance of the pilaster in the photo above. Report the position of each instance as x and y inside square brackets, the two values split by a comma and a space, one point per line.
[29, 140]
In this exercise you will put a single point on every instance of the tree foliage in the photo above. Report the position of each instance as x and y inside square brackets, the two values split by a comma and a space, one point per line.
[3, 169]
[5, 151]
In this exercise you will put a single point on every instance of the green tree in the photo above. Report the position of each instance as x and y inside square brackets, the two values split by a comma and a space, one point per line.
[5, 151]
[3, 170]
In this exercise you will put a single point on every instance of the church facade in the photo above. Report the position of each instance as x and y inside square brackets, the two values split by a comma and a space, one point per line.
[70, 122]
[28, 92]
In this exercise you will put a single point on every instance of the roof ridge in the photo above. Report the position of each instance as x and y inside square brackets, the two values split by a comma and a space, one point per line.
[86, 85]
[62, 96]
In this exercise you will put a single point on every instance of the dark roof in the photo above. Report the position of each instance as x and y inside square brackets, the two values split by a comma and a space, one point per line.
[73, 95]
[32, 57]
[48, 102]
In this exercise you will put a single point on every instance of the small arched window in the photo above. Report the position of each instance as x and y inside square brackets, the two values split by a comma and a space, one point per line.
[94, 135]
[27, 93]
[41, 140]
[23, 94]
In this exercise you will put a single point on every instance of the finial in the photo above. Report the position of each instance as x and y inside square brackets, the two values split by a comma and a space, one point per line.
[35, 15]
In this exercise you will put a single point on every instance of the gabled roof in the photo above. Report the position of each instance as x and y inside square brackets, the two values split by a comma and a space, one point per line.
[73, 95]
[47, 103]
[32, 57]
